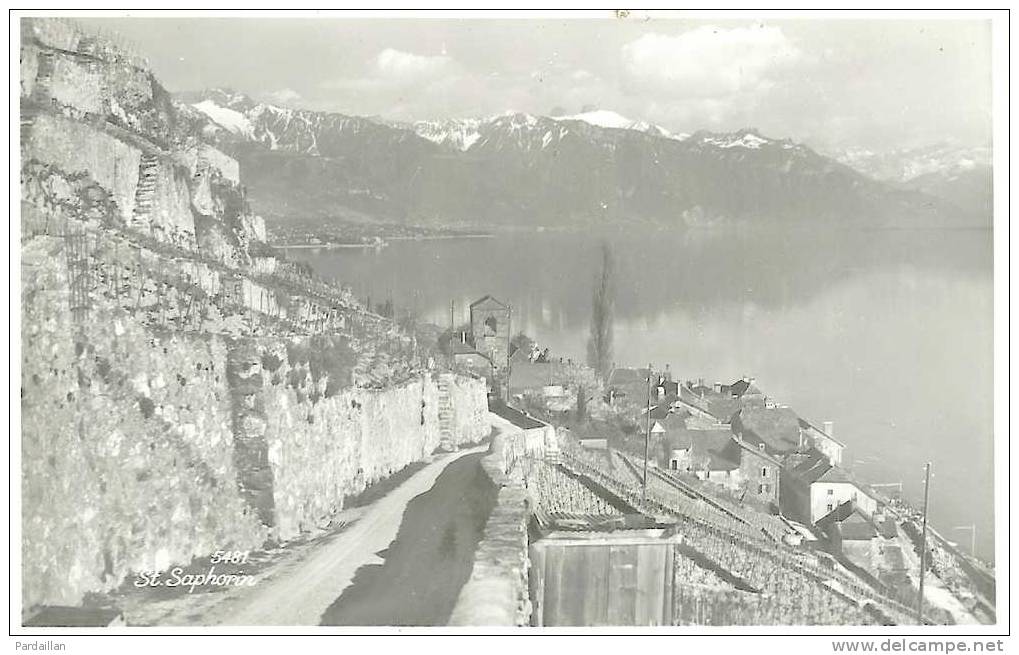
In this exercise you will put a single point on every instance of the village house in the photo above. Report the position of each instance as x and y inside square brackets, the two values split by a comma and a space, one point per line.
[813, 488]
[854, 533]
[834, 487]
[745, 390]
[711, 455]
[767, 435]
[823, 440]
[628, 387]
[867, 540]
[712, 406]
[467, 358]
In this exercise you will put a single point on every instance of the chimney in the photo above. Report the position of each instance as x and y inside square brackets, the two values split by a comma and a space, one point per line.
[829, 428]
[668, 374]
[717, 387]
[700, 382]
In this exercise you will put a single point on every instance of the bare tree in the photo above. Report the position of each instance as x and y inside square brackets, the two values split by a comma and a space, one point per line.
[599, 345]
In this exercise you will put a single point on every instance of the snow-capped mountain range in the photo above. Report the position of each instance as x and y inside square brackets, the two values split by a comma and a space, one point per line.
[461, 134]
[904, 164]
[958, 174]
[512, 168]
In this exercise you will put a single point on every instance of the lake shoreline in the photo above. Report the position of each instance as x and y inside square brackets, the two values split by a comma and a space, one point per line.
[382, 244]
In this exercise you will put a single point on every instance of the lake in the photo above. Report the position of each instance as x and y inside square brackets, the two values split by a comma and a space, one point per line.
[889, 333]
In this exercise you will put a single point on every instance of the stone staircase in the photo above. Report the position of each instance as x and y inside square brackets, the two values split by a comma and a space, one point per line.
[145, 194]
[88, 45]
[27, 123]
[46, 64]
[447, 413]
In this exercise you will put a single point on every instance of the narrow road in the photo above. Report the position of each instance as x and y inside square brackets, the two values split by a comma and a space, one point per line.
[301, 593]
[431, 558]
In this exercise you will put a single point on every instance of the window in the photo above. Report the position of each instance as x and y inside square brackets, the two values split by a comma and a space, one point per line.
[830, 507]
[831, 492]
[764, 471]
[763, 489]
[490, 326]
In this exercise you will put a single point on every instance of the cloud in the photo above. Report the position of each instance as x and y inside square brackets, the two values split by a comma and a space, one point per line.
[284, 96]
[396, 71]
[399, 65]
[708, 61]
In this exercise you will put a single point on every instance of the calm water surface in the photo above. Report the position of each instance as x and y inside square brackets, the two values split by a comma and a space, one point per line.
[888, 333]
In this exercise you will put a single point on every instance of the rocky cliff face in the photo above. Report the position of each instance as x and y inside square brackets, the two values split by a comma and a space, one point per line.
[97, 126]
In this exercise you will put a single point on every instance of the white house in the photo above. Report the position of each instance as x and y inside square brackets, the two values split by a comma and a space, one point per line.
[835, 487]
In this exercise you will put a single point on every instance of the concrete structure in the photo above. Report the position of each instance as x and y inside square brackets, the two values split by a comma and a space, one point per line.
[497, 591]
[588, 578]
[539, 438]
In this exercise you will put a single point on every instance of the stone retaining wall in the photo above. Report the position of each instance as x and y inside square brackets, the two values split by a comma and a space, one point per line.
[125, 444]
[142, 448]
[497, 591]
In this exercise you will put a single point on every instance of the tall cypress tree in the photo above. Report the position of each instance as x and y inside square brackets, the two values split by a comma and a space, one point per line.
[599, 345]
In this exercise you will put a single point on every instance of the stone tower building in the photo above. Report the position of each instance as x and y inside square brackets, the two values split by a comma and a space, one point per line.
[490, 326]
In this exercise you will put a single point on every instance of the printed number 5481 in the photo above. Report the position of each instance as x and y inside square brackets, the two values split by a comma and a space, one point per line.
[229, 556]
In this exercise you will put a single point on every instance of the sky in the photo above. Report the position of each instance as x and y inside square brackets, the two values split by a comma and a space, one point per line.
[875, 84]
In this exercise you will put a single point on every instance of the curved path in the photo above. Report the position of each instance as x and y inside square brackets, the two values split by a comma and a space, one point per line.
[301, 593]
[431, 558]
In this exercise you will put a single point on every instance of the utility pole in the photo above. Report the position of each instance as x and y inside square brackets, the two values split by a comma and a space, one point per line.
[647, 434]
[451, 331]
[923, 539]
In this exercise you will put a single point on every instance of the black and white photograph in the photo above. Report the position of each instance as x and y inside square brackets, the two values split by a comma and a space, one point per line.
[529, 323]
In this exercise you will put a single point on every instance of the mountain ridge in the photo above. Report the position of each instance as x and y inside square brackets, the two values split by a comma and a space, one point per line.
[515, 168]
